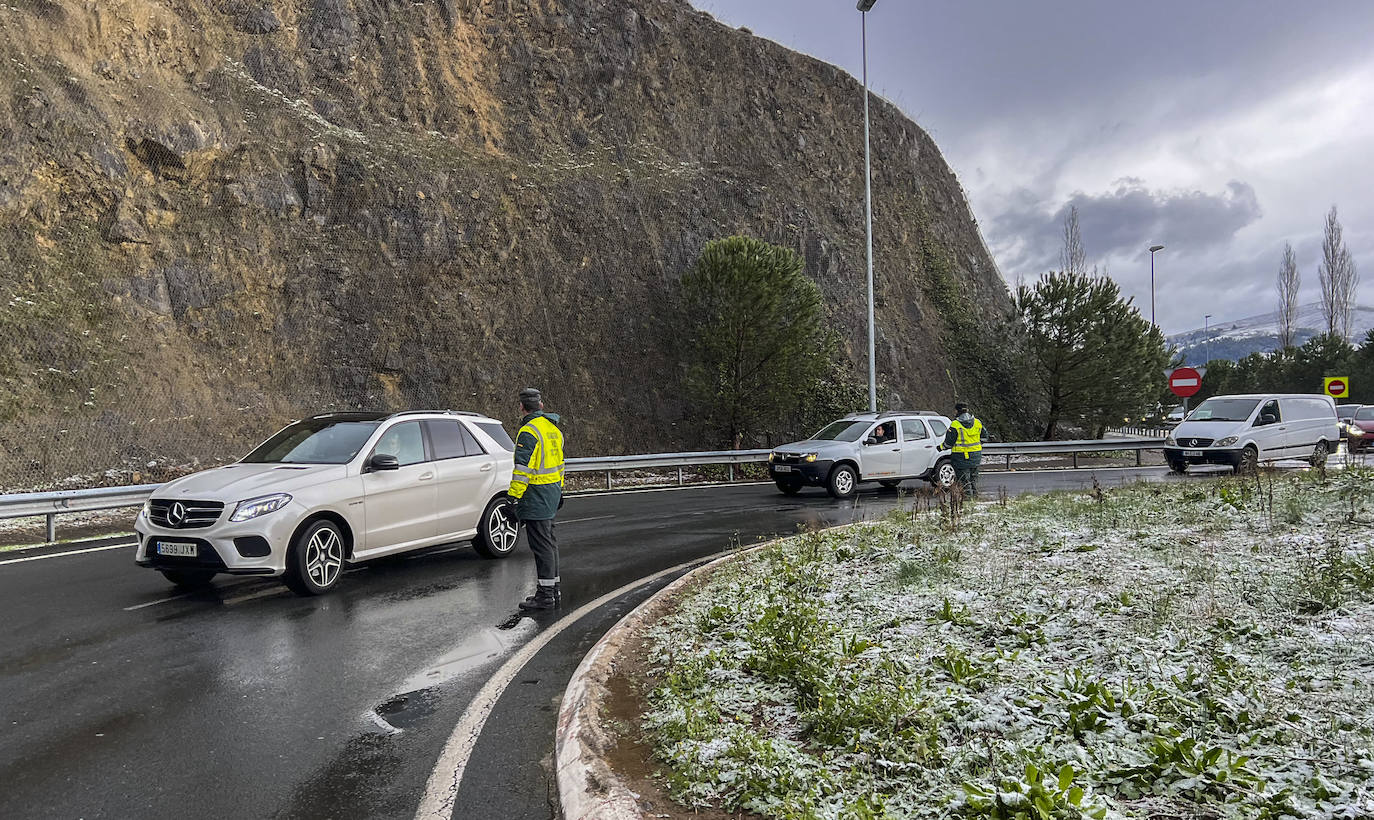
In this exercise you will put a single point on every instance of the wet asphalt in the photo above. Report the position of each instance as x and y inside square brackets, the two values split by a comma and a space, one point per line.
[120, 698]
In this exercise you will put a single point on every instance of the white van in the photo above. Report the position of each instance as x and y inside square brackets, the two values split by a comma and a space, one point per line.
[1242, 431]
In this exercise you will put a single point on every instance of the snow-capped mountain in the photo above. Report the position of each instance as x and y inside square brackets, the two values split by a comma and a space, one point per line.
[1260, 334]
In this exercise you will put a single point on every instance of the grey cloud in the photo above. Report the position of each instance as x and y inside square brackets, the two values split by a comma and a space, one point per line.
[1123, 221]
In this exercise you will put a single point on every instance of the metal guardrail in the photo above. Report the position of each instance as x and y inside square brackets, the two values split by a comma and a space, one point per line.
[50, 505]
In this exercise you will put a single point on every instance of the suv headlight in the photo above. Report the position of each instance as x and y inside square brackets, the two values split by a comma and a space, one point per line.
[254, 507]
[147, 510]
[809, 457]
[772, 457]
[1228, 441]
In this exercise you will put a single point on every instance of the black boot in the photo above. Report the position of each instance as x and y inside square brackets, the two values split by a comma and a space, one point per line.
[544, 598]
[557, 594]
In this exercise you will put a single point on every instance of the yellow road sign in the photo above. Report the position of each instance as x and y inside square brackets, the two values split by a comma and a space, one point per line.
[1337, 387]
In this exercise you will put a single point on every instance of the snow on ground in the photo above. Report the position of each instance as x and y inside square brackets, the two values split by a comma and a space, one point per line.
[1192, 650]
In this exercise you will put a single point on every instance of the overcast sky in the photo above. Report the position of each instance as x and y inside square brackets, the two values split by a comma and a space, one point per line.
[1218, 128]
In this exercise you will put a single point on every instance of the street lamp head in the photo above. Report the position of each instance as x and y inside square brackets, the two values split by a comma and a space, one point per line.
[1154, 248]
[865, 5]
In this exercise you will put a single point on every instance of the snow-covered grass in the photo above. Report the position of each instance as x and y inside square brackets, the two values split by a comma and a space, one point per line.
[1196, 650]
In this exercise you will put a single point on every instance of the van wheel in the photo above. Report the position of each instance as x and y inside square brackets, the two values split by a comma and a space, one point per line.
[315, 561]
[1248, 462]
[788, 487]
[944, 475]
[498, 530]
[189, 578]
[1320, 454]
[843, 482]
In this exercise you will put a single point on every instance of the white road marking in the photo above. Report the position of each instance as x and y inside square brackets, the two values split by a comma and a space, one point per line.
[442, 788]
[592, 518]
[155, 603]
[262, 593]
[69, 552]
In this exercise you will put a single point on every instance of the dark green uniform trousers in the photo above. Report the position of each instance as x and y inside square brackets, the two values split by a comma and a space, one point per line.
[966, 467]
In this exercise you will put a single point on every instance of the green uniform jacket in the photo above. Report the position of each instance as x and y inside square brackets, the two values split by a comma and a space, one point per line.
[540, 502]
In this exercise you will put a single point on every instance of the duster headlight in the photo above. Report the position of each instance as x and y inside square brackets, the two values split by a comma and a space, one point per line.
[809, 457]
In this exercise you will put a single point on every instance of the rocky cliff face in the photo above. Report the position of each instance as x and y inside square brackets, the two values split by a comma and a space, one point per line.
[216, 215]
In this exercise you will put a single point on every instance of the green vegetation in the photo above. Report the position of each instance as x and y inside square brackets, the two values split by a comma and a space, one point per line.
[1151, 651]
[755, 339]
[1095, 356]
[1296, 370]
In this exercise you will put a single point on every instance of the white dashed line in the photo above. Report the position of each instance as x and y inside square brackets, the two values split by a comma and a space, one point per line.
[69, 552]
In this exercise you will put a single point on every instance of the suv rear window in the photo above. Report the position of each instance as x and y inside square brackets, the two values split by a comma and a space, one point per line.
[450, 440]
[497, 432]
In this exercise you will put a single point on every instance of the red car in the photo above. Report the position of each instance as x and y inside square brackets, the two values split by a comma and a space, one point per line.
[1359, 430]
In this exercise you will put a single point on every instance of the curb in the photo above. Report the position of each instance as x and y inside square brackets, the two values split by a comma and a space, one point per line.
[587, 788]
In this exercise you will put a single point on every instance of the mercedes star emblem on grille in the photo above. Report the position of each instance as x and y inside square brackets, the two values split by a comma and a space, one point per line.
[176, 515]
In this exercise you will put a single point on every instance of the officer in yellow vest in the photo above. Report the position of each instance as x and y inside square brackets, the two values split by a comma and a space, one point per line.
[965, 439]
[537, 487]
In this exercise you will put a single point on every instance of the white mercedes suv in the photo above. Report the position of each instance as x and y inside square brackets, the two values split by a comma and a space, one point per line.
[336, 489]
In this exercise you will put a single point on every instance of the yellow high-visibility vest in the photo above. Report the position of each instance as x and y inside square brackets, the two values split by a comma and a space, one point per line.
[546, 462]
[970, 438]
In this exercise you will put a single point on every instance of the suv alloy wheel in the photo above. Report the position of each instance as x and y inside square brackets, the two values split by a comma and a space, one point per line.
[316, 559]
[498, 530]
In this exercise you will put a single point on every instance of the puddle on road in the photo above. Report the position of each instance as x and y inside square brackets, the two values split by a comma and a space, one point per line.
[418, 697]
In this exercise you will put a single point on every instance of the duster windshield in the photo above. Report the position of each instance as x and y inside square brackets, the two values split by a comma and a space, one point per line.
[842, 431]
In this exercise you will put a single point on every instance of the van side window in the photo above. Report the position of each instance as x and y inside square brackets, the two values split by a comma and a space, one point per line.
[1270, 408]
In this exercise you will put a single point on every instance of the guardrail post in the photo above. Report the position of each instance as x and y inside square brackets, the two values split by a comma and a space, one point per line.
[679, 476]
[52, 529]
[608, 479]
[1008, 461]
[732, 474]
[1075, 461]
[1138, 454]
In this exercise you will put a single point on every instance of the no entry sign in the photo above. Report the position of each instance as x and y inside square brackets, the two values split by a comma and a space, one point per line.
[1185, 381]
[1337, 386]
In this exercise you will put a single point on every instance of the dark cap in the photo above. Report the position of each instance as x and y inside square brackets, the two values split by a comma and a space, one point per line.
[960, 407]
[531, 398]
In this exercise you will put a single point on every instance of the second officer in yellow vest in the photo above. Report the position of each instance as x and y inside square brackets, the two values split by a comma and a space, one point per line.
[537, 487]
[965, 440]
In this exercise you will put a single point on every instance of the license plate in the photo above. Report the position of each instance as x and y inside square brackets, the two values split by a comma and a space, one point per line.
[781, 468]
[1192, 452]
[178, 549]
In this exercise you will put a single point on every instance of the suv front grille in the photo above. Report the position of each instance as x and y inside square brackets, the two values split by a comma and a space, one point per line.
[184, 515]
[1195, 442]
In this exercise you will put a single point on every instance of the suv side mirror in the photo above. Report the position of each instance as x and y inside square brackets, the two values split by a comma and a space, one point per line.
[870, 441]
[383, 462]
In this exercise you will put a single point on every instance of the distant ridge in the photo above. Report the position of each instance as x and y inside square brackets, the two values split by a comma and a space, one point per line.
[1239, 338]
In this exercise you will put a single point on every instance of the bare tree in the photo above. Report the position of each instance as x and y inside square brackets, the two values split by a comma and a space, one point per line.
[1338, 278]
[1072, 258]
[1288, 297]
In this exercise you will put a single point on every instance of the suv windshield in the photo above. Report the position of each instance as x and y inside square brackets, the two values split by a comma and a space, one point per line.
[842, 431]
[314, 441]
[1224, 410]
[1365, 413]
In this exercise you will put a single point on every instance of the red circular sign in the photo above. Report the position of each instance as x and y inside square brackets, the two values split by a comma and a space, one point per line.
[1185, 381]
[1336, 387]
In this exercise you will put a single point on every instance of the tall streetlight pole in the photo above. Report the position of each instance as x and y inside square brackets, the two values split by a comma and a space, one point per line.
[864, 6]
[1153, 248]
[1206, 339]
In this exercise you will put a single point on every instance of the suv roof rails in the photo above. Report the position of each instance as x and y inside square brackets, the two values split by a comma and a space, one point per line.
[890, 413]
[434, 413]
